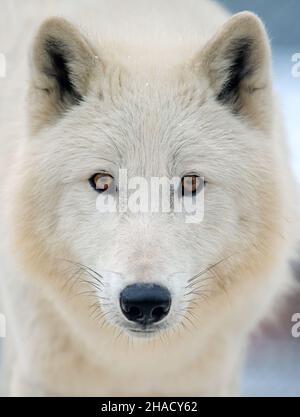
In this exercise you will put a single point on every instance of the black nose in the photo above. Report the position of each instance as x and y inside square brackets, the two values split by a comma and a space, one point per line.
[145, 303]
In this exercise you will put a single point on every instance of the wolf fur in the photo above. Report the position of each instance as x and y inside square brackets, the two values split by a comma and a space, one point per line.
[158, 88]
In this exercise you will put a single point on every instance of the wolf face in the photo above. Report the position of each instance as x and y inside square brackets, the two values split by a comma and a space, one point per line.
[91, 115]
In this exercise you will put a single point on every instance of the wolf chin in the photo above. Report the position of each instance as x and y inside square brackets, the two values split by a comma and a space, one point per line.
[143, 303]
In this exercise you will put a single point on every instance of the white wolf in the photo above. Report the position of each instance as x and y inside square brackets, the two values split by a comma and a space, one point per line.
[139, 304]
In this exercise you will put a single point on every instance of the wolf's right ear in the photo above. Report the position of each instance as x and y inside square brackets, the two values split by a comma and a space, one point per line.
[61, 64]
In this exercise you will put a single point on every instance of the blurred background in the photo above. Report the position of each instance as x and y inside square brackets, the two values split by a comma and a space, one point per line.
[273, 364]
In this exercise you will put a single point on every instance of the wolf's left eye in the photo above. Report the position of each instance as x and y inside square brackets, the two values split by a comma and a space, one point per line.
[101, 182]
[191, 184]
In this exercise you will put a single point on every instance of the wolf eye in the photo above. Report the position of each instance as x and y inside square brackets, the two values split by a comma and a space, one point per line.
[191, 184]
[101, 182]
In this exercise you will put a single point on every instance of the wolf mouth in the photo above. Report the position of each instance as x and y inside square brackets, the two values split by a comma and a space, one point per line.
[143, 332]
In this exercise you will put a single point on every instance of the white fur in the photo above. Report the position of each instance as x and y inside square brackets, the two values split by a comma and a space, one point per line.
[150, 107]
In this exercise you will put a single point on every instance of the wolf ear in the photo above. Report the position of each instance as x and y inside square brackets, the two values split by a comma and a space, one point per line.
[237, 63]
[61, 65]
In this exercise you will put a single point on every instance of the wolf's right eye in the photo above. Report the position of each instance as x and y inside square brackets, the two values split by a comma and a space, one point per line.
[101, 182]
[191, 184]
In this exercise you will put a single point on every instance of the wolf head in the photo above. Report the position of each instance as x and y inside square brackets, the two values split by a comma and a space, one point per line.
[91, 115]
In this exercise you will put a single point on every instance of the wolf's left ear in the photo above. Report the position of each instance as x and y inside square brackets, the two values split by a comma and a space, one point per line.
[237, 62]
[61, 64]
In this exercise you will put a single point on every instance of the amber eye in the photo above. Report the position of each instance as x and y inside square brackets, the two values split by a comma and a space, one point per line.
[101, 182]
[191, 184]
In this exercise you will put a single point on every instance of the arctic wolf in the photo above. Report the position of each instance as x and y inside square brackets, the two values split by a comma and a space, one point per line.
[123, 303]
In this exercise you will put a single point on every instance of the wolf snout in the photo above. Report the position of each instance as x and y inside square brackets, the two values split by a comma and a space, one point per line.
[145, 303]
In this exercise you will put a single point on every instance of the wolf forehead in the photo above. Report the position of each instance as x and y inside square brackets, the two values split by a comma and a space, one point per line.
[200, 108]
[149, 128]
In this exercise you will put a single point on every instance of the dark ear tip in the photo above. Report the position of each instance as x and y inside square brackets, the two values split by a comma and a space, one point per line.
[248, 23]
[247, 18]
[50, 28]
[55, 26]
